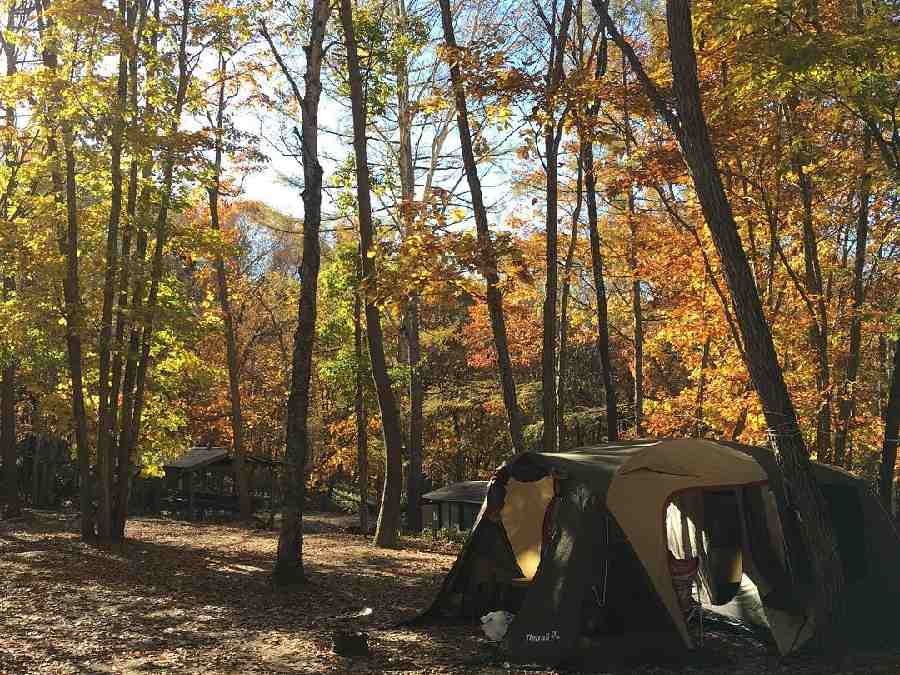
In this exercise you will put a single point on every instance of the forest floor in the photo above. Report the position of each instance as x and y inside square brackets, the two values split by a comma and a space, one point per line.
[196, 598]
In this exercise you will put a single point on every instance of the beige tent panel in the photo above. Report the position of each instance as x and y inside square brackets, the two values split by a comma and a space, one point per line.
[691, 457]
[640, 492]
[523, 520]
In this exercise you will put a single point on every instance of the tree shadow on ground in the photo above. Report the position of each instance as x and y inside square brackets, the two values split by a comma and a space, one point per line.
[197, 597]
[237, 577]
[176, 590]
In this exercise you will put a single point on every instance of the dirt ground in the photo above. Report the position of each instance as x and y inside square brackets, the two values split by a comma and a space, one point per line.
[196, 598]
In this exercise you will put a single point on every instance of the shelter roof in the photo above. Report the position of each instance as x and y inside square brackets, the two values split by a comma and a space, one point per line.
[466, 492]
[197, 457]
[202, 456]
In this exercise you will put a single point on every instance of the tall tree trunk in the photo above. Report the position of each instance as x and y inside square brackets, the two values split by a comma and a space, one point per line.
[638, 327]
[74, 311]
[891, 433]
[563, 367]
[818, 332]
[289, 561]
[590, 183]
[848, 389]
[123, 321]
[65, 190]
[162, 231]
[388, 528]
[137, 208]
[407, 198]
[416, 404]
[359, 405]
[105, 455]
[637, 316]
[552, 136]
[690, 128]
[548, 351]
[586, 161]
[701, 387]
[231, 351]
[132, 422]
[132, 354]
[485, 244]
[12, 507]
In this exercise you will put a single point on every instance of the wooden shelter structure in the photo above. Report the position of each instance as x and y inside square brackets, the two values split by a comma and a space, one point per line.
[455, 505]
[203, 481]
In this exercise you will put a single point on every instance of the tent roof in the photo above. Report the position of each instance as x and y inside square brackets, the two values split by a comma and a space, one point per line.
[598, 465]
[825, 474]
[466, 492]
[197, 457]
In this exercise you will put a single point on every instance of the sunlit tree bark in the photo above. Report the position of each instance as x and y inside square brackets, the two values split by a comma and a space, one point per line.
[289, 561]
[486, 246]
[388, 528]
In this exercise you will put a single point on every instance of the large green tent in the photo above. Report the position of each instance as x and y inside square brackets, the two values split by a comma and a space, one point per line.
[579, 546]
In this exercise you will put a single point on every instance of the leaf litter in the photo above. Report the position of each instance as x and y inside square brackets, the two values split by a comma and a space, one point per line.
[186, 597]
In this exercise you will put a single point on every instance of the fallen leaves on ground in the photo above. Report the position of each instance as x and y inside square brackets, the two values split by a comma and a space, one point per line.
[186, 597]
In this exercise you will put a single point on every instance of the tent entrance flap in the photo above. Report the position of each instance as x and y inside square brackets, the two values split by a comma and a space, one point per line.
[523, 518]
